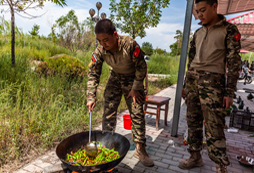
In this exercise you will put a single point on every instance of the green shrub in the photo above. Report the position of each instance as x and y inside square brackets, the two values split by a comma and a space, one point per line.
[63, 65]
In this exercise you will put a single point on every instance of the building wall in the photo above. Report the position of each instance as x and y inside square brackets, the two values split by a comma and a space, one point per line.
[244, 18]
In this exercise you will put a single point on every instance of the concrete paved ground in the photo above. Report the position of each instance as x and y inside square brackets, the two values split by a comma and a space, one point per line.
[166, 154]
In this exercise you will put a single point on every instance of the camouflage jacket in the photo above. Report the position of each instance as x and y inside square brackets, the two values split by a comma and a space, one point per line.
[217, 48]
[127, 60]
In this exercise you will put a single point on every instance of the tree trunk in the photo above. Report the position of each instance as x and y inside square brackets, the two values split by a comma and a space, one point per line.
[133, 34]
[12, 36]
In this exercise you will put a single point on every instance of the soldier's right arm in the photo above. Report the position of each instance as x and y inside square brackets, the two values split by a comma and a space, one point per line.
[192, 51]
[94, 74]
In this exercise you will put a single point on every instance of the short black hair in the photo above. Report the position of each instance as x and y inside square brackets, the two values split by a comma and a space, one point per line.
[210, 2]
[105, 26]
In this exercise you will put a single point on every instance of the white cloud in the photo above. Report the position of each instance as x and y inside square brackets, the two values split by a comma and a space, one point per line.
[162, 36]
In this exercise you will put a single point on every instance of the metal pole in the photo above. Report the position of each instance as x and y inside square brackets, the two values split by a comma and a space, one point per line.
[185, 43]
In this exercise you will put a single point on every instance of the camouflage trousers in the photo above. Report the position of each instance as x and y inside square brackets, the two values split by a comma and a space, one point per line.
[204, 99]
[117, 86]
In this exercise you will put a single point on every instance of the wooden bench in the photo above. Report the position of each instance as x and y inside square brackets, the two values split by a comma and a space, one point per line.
[157, 101]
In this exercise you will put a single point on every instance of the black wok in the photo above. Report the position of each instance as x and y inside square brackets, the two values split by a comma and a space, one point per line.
[79, 140]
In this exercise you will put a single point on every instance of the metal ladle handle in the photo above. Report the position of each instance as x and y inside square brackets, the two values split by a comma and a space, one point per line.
[90, 126]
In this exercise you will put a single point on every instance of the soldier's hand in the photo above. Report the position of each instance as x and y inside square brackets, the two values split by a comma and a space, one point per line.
[90, 105]
[137, 97]
[183, 93]
[227, 102]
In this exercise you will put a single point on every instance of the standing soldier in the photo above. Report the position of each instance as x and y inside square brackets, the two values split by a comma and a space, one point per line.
[129, 69]
[208, 94]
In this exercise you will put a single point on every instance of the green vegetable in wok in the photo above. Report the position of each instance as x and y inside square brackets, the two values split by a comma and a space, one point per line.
[104, 155]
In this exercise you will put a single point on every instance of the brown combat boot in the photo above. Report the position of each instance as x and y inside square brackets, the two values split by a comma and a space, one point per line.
[221, 168]
[195, 160]
[141, 154]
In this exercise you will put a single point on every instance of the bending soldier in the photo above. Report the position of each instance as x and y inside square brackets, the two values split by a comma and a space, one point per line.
[129, 69]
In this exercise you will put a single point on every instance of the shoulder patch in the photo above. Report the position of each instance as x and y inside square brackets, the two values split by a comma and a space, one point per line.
[136, 52]
[237, 36]
[94, 59]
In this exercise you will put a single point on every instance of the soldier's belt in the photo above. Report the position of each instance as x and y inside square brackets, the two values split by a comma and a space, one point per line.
[192, 70]
[122, 75]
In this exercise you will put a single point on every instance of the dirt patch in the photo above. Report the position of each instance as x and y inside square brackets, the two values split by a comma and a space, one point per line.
[152, 79]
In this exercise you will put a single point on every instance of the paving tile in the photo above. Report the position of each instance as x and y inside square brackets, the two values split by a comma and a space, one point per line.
[43, 164]
[124, 170]
[232, 169]
[177, 155]
[170, 150]
[176, 168]
[150, 171]
[163, 170]
[171, 162]
[157, 150]
[194, 171]
[247, 171]
[21, 171]
[182, 152]
[139, 169]
[32, 168]
[153, 168]
[207, 171]
[135, 171]
[121, 165]
[164, 156]
[238, 166]
[155, 158]
[177, 159]
[160, 164]
[197, 169]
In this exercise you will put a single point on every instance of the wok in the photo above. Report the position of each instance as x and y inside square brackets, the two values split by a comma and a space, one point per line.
[77, 141]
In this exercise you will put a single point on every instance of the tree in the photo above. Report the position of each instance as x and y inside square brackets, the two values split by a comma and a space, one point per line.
[35, 30]
[134, 16]
[159, 51]
[73, 35]
[52, 36]
[176, 47]
[147, 48]
[21, 6]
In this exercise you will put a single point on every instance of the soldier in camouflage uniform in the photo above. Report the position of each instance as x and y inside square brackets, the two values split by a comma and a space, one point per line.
[208, 94]
[129, 69]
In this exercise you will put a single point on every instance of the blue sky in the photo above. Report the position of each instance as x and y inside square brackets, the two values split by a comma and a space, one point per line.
[162, 36]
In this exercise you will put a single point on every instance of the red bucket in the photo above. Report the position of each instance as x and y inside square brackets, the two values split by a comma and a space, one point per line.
[127, 121]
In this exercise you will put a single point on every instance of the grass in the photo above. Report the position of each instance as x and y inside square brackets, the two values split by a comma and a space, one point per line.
[247, 56]
[164, 64]
[36, 111]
